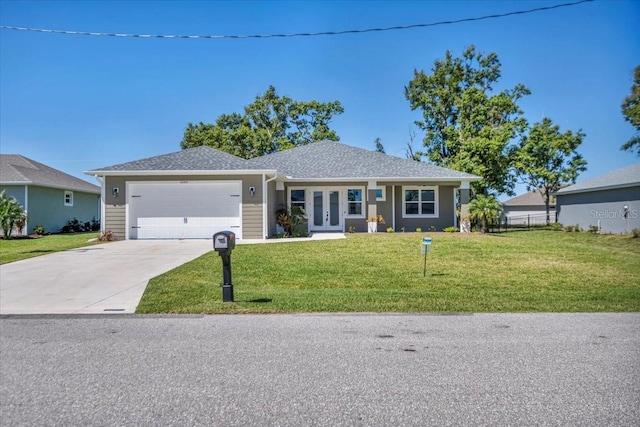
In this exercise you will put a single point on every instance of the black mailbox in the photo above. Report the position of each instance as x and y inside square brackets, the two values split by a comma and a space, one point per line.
[224, 242]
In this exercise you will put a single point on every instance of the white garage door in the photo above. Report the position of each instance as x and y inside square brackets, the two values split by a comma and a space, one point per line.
[183, 210]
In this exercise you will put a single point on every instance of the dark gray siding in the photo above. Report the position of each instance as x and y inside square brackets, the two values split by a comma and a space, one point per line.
[446, 212]
[607, 206]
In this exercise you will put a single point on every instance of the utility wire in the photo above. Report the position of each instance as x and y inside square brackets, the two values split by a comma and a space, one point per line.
[324, 33]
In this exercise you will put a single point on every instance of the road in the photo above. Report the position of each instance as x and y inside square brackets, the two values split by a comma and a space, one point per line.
[321, 370]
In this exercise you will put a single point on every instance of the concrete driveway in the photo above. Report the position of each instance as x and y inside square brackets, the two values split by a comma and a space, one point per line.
[107, 278]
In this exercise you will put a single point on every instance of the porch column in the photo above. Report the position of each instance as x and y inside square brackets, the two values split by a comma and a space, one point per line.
[465, 196]
[372, 207]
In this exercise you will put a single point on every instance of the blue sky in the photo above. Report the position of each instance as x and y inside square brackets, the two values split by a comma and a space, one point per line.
[81, 102]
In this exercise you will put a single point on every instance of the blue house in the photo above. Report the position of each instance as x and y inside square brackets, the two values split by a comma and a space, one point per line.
[50, 197]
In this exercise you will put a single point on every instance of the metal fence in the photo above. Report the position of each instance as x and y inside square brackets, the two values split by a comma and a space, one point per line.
[522, 222]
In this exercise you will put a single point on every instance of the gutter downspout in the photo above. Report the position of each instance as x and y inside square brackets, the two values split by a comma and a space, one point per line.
[101, 180]
[265, 200]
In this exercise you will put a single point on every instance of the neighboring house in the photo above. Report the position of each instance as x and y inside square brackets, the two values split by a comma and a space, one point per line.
[610, 201]
[528, 208]
[50, 197]
[196, 192]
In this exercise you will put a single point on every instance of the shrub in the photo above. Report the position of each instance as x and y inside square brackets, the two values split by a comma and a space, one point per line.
[635, 233]
[450, 229]
[568, 228]
[107, 236]
[432, 228]
[290, 219]
[39, 230]
[418, 230]
[352, 229]
[402, 229]
[556, 226]
[593, 229]
[389, 229]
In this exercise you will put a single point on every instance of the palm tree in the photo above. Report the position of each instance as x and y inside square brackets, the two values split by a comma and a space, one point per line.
[11, 213]
[484, 208]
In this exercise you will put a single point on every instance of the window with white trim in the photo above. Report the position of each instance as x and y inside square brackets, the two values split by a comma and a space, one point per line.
[297, 198]
[355, 202]
[381, 194]
[419, 202]
[68, 198]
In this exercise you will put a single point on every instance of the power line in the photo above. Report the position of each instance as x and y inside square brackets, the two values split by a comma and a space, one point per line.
[266, 36]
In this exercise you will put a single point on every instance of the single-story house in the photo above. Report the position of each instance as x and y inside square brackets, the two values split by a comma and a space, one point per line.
[528, 208]
[610, 201]
[196, 192]
[50, 197]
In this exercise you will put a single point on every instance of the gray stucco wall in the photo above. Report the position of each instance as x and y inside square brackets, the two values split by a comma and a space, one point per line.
[251, 205]
[15, 191]
[446, 211]
[606, 206]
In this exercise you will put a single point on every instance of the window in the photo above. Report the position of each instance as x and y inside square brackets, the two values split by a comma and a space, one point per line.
[419, 202]
[297, 199]
[68, 198]
[381, 194]
[355, 202]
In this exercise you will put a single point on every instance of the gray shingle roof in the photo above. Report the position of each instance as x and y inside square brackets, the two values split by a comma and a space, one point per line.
[17, 169]
[625, 177]
[333, 160]
[532, 198]
[192, 159]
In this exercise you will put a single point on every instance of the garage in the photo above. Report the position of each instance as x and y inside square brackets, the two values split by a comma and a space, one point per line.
[183, 209]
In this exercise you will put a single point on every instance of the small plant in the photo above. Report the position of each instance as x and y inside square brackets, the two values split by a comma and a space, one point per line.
[289, 219]
[378, 218]
[418, 230]
[569, 228]
[39, 230]
[450, 229]
[389, 229]
[107, 236]
[593, 229]
[402, 229]
[556, 226]
[635, 233]
[352, 229]
[300, 233]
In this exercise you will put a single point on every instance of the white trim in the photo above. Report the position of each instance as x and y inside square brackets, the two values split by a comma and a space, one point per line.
[182, 172]
[386, 179]
[393, 206]
[363, 202]
[464, 185]
[70, 194]
[436, 203]
[265, 202]
[455, 213]
[382, 198]
[25, 230]
[102, 201]
[54, 186]
[564, 191]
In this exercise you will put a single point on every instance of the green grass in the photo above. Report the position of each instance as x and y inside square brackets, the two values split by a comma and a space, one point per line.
[17, 249]
[541, 271]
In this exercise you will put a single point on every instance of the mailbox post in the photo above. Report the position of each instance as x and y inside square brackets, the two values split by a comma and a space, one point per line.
[223, 243]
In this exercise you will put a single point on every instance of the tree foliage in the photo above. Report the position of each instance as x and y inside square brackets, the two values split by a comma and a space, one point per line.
[11, 213]
[631, 112]
[469, 127]
[484, 209]
[271, 123]
[379, 146]
[547, 159]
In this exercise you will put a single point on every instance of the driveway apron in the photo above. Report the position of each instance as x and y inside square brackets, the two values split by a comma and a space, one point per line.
[105, 278]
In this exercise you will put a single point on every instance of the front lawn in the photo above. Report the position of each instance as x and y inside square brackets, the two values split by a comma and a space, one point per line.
[538, 271]
[22, 248]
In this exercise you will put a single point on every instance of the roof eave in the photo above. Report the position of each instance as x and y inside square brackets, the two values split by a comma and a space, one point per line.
[603, 188]
[55, 186]
[182, 172]
[387, 179]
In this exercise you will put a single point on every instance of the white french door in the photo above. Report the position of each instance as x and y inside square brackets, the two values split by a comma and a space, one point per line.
[326, 210]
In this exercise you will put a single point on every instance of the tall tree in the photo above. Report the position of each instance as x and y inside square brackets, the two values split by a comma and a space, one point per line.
[379, 146]
[411, 153]
[468, 126]
[271, 123]
[547, 159]
[631, 112]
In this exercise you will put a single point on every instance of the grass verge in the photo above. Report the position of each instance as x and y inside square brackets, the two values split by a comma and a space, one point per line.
[540, 271]
[17, 249]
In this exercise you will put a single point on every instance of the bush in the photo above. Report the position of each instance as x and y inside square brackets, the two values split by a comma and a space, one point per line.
[389, 229]
[418, 230]
[352, 229]
[450, 229]
[593, 229]
[569, 228]
[39, 230]
[75, 226]
[290, 219]
[432, 228]
[556, 226]
[107, 236]
[635, 233]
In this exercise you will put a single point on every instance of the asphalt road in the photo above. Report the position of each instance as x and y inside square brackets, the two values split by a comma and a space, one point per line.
[321, 370]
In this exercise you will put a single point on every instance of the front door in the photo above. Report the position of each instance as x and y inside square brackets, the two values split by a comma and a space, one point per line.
[326, 212]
